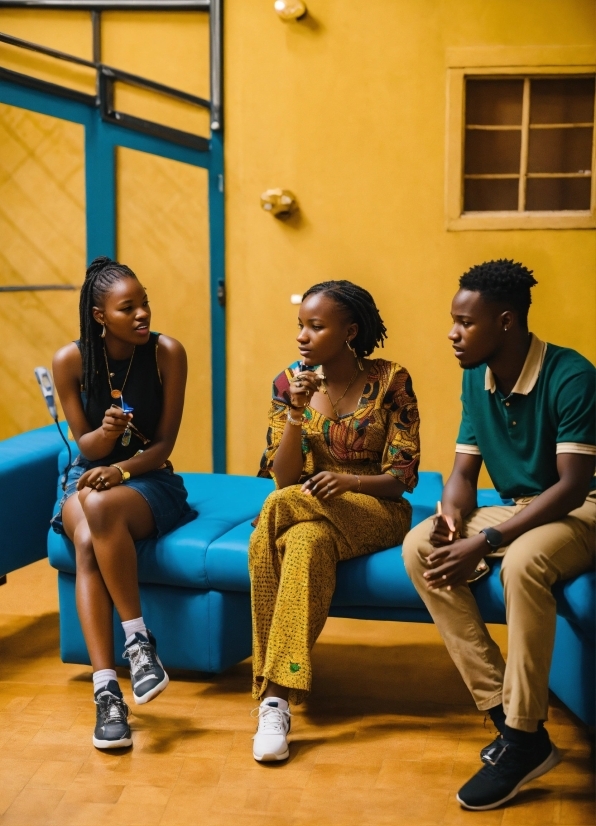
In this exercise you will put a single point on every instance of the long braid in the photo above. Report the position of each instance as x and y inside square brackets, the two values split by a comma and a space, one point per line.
[362, 310]
[101, 274]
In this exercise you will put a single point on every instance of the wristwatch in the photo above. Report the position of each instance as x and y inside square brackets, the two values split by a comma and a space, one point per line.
[493, 537]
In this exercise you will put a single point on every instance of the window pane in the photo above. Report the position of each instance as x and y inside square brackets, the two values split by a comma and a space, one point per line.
[560, 150]
[488, 195]
[568, 100]
[492, 152]
[494, 102]
[558, 193]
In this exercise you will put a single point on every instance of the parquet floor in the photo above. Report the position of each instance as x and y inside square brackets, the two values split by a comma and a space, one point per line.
[388, 736]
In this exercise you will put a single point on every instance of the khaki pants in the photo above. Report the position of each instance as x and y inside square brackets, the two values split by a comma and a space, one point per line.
[531, 566]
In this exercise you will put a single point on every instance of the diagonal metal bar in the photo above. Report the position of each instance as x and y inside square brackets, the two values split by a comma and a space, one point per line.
[33, 288]
[153, 85]
[110, 5]
[35, 47]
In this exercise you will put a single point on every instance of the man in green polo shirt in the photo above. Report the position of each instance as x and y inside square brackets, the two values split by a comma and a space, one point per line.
[529, 412]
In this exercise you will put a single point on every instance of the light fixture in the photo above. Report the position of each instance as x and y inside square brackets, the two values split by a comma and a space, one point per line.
[279, 202]
[290, 9]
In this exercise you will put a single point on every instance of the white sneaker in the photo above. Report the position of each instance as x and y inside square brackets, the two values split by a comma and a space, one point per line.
[270, 741]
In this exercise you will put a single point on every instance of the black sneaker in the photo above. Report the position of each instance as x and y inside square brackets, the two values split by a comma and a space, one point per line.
[508, 767]
[486, 754]
[146, 671]
[111, 726]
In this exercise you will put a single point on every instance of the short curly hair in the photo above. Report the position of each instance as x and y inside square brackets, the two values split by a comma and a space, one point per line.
[504, 282]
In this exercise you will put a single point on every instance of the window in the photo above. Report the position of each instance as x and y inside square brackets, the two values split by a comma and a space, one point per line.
[528, 144]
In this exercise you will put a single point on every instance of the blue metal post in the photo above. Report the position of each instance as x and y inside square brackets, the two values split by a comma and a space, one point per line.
[218, 317]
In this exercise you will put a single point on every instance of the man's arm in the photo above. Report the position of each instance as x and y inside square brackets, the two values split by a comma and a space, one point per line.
[459, 497]
[452, 564]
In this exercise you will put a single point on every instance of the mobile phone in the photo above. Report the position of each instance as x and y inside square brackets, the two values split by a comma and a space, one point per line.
[302, 367]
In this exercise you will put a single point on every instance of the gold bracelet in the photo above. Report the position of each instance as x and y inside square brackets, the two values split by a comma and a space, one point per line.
[125, 474]
[359, 484]
[296, 423]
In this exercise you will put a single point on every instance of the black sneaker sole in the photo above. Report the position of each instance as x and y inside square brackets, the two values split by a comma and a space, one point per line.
[124, 743]
[150, 695]
[553, 759]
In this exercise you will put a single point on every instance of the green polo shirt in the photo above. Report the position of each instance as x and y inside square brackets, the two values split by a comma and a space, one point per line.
[551, 409]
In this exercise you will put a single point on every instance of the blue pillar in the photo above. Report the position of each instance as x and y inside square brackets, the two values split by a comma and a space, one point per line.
[218, 317]
[100, 190]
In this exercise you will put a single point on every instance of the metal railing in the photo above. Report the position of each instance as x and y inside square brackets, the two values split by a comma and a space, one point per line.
[108, 76]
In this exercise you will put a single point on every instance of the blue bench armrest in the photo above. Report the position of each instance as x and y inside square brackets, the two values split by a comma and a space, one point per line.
[27, 494]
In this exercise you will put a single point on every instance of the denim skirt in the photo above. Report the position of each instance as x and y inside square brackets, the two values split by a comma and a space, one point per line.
[162, 489]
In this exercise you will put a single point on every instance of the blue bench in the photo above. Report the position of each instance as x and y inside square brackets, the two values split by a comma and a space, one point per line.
[196, 578]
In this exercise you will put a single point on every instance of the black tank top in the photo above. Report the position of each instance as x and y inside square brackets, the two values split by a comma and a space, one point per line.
[143, 391]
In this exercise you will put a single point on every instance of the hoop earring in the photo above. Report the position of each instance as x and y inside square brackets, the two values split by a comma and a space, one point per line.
[353, 351]
[103, 332]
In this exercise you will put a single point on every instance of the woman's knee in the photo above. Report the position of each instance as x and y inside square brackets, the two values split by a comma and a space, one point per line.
[100, 512]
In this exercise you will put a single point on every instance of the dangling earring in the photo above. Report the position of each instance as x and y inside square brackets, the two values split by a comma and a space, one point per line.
[103, 332]
[358, 360]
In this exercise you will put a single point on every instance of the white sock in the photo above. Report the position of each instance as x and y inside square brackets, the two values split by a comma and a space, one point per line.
[102, 678]
[282, 705]
[131, 627]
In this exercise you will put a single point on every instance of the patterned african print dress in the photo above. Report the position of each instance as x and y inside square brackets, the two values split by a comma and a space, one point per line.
[299, 539]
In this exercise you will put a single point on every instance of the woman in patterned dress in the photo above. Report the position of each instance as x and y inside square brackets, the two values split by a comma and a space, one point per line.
[342, 447]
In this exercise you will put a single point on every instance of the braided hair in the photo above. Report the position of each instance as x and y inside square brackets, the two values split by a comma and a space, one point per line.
[503, 282]
[361, 309]
[102, 273]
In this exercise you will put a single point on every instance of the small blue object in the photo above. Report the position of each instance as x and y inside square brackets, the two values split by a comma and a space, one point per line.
[126, 408]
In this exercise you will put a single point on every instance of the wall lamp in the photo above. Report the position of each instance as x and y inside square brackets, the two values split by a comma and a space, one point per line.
[279, 202]
[290, 9]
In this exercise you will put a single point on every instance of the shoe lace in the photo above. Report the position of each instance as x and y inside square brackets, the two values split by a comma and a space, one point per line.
[111, 708]
[140, 655]
[272, 720]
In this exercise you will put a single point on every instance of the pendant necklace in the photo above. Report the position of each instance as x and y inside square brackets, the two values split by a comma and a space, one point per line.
[114, 392]
[117, 394]
[326, 390]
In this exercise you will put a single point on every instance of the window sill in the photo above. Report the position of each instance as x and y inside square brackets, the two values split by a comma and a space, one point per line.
[523, 220]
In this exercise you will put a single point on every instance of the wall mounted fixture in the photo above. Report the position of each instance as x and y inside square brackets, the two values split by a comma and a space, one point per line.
[290, 9]
[279, 202]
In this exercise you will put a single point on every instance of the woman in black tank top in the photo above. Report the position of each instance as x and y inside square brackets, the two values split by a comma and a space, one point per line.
[122, 390]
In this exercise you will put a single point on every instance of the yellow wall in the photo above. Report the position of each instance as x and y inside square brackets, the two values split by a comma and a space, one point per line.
[348, 110]
[42, 241]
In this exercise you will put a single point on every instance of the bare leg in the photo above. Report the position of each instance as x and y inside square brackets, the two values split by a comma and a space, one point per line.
[275, 690]
[94, 604]
[116, 519]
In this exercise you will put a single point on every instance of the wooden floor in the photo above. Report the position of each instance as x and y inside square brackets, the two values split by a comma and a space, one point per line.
[387, 737]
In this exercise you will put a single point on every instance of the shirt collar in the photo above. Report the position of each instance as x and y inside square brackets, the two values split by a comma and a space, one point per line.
[528, 377]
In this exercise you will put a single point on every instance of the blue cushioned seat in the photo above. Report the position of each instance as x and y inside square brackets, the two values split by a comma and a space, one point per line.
[197, 578]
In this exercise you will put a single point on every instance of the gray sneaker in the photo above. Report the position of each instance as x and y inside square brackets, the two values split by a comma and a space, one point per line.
[111, 726]
[147, 674]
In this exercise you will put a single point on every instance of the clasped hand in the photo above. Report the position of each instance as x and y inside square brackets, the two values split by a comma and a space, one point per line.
[100, 478]
[302, 387]
[327, 485]
[454, 559]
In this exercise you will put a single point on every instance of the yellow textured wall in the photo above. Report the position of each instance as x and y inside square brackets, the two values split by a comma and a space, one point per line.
[163, 233]
[348, 111]
[42, 241]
